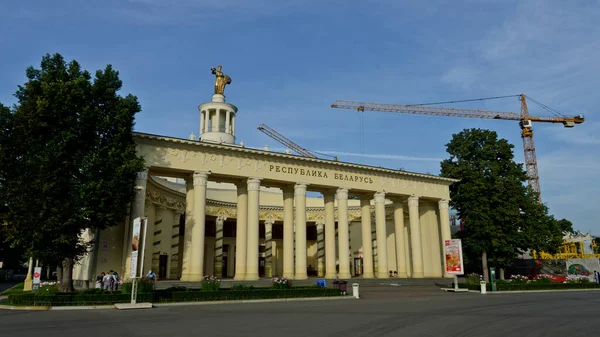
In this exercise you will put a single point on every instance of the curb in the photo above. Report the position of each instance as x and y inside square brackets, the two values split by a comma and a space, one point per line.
[538, 291]
[107, 307]
[301, 299]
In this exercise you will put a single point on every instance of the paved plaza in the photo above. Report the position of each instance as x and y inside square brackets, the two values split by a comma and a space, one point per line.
[384, 311]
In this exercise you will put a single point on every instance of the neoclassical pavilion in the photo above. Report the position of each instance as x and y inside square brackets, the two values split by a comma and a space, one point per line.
[215, 207]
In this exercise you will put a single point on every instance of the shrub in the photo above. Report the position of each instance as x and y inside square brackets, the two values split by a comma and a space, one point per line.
[144, 286]
[282, 282]
[48, 288]
[177, 288]
[210, 283]
[241, 287]
[162, 296]
[474, 278]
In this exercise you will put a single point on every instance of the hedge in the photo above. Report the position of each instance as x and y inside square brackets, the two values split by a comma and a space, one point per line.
[162, 296]
[533, 286]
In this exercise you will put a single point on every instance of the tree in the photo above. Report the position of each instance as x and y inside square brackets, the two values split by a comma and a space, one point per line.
[492, 199]
[67, 160]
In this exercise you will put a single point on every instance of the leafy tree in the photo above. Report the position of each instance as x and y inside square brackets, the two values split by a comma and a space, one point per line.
[501, 215]
[67, 160]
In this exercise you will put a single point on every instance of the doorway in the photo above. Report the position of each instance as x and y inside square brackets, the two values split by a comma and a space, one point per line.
[162, 266]
[358, 266]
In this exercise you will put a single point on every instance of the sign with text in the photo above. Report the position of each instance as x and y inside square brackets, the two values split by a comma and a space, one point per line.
[135, 246]
[454, 258]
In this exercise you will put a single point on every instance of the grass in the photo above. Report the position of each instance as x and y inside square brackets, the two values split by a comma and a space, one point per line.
[14, 290]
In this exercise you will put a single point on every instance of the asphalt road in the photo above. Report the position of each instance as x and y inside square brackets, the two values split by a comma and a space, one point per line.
[408, 311]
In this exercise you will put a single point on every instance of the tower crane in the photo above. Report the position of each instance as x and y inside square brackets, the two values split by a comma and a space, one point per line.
[288, 143]
[525, 122]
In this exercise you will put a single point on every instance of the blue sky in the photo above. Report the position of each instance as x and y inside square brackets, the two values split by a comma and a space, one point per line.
[289, 60]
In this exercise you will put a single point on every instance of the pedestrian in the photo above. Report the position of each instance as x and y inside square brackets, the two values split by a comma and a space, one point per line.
[99, 279]
[152, 277]
[107, 282]
[596, 276]
[115, 280]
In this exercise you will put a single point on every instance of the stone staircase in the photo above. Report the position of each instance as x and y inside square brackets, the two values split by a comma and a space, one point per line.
[266, 282]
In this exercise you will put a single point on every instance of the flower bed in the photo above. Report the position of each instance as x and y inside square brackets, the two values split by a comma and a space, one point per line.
[533, 286]
[166, 296]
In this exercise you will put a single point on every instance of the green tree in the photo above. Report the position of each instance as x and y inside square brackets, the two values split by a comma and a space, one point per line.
[67, 160]
[488, 197]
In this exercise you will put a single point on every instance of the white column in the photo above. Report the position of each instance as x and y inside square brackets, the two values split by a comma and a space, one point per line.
[382, 261]
[329, 198]
[288, 232]
[300, 201]
[365, 207]
[137, 210]
[241, 237]
[344, 249]
[444, 231]
[399, 230]
[253, 221]
[269, 248]
[415, 237]
[219, 246]
[199, 225]
[228, 121]
[186, 255]
[320, 250]
[218, 113]
[233, 125]
[202, 123]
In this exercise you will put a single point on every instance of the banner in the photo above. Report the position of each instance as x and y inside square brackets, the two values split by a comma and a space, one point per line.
[37, 274]
[583, 267]
[454, 259]
[135, 246]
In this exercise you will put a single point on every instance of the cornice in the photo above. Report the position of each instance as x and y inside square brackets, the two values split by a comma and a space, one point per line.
[237, 148]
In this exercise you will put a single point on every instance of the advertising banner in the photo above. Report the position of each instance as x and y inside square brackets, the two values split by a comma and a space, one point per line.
[454, 258]
[135, 246]
[583, 267]
[37, 274]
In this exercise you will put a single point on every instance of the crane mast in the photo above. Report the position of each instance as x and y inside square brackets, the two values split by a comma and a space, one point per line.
[524, 119]
[529, 148]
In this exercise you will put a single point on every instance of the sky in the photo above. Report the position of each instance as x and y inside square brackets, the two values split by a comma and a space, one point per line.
[289, 60]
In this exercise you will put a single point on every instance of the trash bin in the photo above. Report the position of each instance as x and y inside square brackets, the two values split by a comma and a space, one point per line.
[321, 283]
[483, 288]
[344, 287]
[355, 290]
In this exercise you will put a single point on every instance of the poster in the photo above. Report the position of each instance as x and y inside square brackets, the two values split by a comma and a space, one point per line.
[454, 259]
[583, 267]
[135, 245]
[37, 274]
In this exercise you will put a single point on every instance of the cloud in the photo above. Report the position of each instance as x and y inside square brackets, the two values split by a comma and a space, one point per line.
[462, 76]
[584, 134]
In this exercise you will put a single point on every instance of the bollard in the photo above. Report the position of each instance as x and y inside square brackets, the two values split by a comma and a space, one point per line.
[483, 289]
[355, 290]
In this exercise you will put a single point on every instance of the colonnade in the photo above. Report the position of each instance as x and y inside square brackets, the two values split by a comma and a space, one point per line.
[294, 216]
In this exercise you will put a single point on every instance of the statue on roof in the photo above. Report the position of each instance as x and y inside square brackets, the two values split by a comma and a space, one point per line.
[221, 80]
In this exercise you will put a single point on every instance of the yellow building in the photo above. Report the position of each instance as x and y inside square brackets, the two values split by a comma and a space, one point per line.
[215, 207]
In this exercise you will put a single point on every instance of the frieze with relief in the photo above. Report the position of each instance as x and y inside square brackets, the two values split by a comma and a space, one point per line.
[161, 200]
